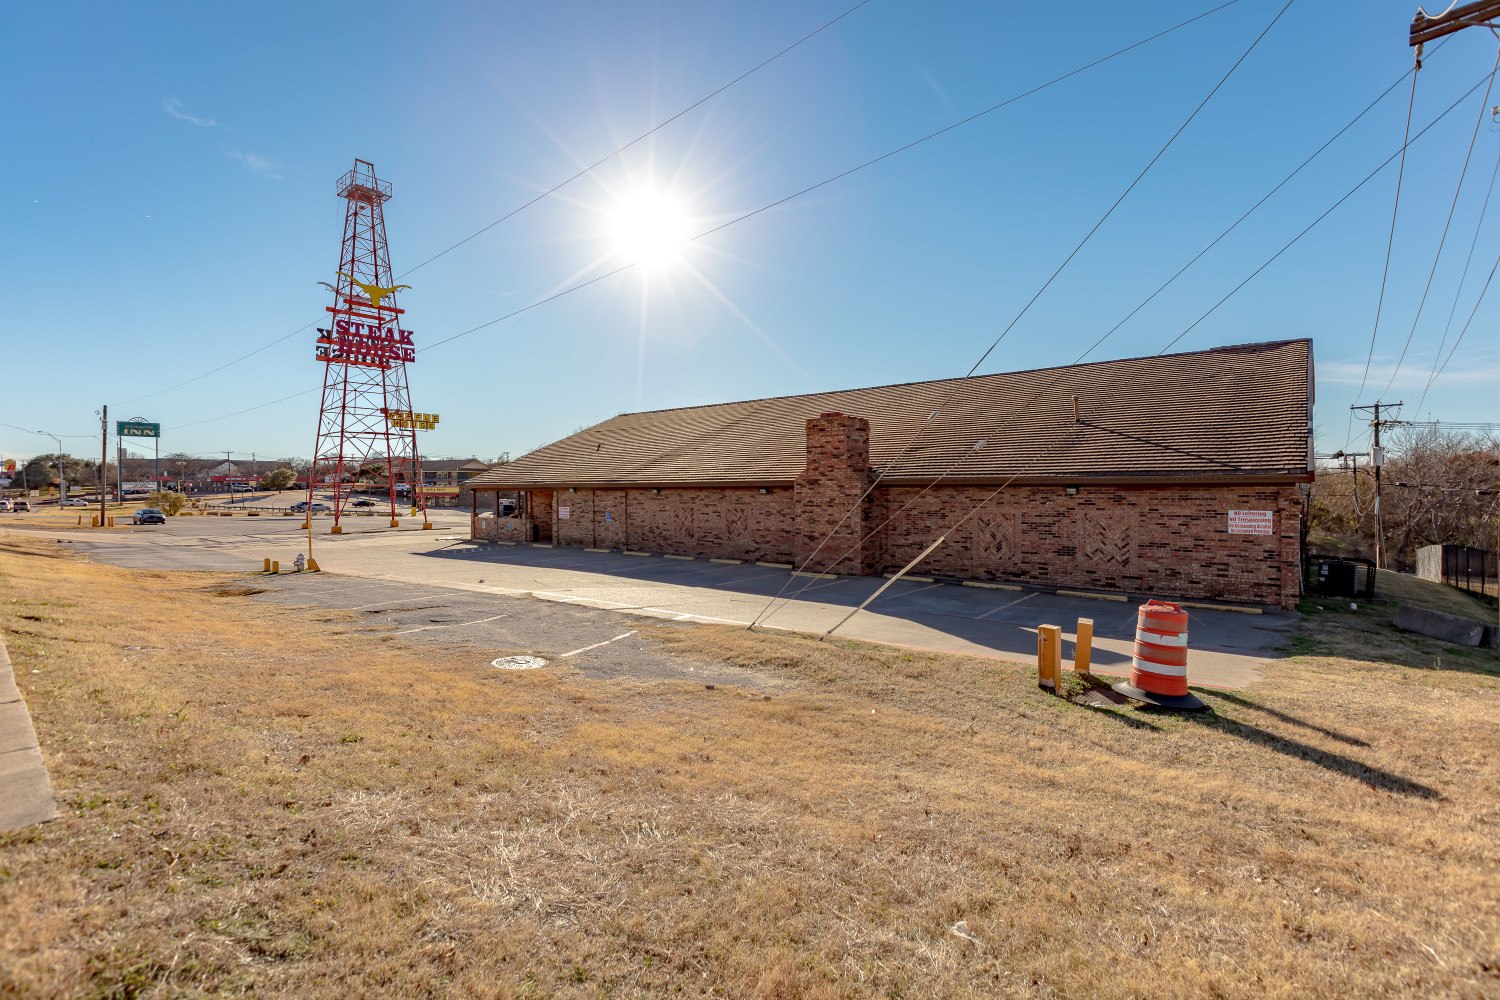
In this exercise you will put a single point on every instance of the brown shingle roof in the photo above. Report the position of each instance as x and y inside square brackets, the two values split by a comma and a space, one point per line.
[1224, 414]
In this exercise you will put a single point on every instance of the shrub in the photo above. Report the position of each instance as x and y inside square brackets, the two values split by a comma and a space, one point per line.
[168, 502]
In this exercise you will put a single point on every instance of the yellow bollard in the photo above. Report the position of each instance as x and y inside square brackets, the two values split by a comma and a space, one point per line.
[111, 520]
[1049, 656]
[275, 567]
[267, 567]
[80, 520]
[312, 564]
[1083, 649]
[94, 519]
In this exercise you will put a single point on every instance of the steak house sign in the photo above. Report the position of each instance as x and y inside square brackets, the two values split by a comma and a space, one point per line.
[365, 344]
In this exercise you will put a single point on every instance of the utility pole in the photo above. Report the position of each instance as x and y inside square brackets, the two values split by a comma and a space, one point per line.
[103, 461]
[229, 472]
[1377, 459]
[1426, 28]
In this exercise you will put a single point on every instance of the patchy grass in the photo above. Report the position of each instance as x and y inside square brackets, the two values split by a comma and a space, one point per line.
[1406, 589]
[255, 805]
[1367, 636]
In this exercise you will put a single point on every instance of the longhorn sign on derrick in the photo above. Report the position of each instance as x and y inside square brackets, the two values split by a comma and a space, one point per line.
[375, 292]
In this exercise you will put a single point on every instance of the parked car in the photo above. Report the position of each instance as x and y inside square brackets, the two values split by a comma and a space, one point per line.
[22, 507]
[301, 507]
[74, 503]
[363, 503]
[148, 515]
[241, 488]
[7, 506]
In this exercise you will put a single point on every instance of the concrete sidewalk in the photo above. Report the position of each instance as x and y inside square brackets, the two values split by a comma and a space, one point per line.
[1228, 649]
[25, 791]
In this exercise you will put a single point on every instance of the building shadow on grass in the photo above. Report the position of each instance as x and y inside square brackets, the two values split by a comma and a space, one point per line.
[1235, 699]
[1348, 766]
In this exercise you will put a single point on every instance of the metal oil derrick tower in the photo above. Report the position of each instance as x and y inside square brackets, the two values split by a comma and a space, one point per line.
[366, 419]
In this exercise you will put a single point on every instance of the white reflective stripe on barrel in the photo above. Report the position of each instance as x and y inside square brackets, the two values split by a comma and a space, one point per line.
[1157, 639]
[1165, 670]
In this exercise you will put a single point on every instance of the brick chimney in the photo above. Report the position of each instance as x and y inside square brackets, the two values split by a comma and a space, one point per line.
[837, 475]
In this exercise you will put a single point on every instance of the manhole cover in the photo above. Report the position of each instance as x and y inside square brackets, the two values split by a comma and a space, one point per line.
[518, 662]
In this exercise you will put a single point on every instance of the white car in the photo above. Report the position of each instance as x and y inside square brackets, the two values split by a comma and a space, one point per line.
[75, 503]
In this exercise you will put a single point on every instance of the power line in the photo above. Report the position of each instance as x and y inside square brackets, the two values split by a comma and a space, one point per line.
[1390, 241]
[1349, 194]
[1044, 389]
[925, 424]
[646, 134]
[839, 176]
[1464, 277]
[215, 371]
[1439, 372]
[1251, 210]
[868, 163]
[248, 409]
[1483, 109]
[27, 430]
[550, 191]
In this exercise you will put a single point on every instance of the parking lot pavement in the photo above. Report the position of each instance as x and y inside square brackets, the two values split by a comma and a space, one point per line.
[598, 643]
[1228, 649]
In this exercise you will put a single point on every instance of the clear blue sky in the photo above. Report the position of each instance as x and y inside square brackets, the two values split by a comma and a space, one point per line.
[168, 202]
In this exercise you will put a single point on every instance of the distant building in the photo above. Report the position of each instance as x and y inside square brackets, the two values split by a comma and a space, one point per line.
[443, 479]
[1176, 476]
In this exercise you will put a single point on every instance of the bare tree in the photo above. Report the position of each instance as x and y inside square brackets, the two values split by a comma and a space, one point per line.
[1439, 487]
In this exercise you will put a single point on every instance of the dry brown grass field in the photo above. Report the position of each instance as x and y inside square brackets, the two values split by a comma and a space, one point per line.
[277, 803]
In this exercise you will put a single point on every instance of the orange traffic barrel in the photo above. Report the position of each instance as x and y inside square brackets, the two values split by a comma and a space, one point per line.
[1158, 671]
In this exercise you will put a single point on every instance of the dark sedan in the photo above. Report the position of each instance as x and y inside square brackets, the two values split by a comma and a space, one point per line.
[148, 515]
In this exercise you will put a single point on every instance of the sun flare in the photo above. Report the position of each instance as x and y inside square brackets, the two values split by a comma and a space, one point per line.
[649, 228]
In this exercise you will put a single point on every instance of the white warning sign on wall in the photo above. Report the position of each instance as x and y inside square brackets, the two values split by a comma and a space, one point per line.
[1250, 522]
[563, 513]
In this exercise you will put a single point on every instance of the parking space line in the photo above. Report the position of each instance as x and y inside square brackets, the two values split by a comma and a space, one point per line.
[1007, 604]
[596, 645]
[427, 628]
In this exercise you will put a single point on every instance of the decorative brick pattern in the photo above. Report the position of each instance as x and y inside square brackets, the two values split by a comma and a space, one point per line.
[1107, 537]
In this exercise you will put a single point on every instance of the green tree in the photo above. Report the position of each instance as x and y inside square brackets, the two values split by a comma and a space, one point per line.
[278, 480]
[41, 471]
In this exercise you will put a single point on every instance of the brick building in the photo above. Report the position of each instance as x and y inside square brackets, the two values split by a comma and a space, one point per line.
[1173, 476]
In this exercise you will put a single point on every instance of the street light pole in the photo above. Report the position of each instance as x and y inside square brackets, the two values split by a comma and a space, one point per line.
[62, 473]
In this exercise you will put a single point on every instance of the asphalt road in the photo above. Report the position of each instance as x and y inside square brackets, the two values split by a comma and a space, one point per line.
[1228, 650]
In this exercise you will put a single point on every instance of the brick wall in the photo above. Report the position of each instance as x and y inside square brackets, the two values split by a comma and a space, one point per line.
[722, 524]
[1163, 540]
